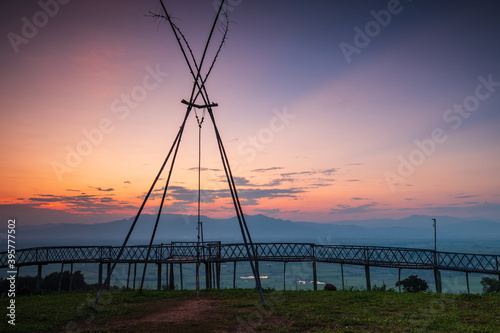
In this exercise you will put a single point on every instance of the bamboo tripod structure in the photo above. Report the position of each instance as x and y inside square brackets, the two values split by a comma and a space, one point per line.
[198, 90]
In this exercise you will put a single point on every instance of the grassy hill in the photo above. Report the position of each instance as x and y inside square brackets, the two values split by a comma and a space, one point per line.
[241, 310]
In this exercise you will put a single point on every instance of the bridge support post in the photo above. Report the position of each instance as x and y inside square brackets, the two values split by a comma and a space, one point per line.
[368, 282]
[60, 278]
[207, 275]
[172, 284]
[342, 273]
[214, 272]
[108, 269]
[135, 273]
[467, 280]
[218, 265]
[257, 273]
[437, 279]
[158, 283]
[399, 279]
[39, 278]
[71, 277]
[180, 273]
[128, 274]
[315, 277]
[99, 275]
[234, 276]
[284, 275]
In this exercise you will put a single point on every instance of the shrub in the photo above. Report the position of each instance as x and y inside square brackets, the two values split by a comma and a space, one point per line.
[413, 284]
[490, 285]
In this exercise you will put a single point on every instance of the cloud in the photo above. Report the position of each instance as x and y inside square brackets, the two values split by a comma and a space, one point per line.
[204, 169]
[310, 173]
[102, 189]
[70, 190]
[356, 198]
[465, 196]
[268, 211]
[353, 180]
[347, 209]
[83, 203]
[267, 169]
[127, 182]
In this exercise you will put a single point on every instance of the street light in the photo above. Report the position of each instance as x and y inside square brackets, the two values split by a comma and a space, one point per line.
[435, 246]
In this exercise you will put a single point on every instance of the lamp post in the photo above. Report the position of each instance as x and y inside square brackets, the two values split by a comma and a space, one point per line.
[435, 242]
[435, 248]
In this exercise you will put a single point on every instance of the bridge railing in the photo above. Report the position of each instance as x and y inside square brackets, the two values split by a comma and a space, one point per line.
[468, 262]
[215, 251]
[268, 251]
[389, 256]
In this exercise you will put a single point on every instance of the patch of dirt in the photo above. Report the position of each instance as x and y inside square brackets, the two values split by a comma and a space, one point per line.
[187, 310]
[161, 315]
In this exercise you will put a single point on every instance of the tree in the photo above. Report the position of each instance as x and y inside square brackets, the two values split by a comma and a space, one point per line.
[490, 285]
[413, 284]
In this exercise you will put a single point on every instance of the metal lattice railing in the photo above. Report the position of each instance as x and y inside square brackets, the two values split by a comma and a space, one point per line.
[215, 251]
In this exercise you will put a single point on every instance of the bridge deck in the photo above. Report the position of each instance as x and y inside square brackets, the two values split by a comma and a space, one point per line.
[215, 251]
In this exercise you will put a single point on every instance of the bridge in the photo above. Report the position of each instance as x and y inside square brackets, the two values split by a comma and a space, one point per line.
[212, 254]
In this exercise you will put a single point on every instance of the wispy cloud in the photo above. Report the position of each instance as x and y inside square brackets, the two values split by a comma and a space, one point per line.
[267, 169]
[347, 209]
[102, 189]
[466, 196]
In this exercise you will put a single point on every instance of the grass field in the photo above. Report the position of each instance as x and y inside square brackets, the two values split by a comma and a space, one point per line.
[241, 310]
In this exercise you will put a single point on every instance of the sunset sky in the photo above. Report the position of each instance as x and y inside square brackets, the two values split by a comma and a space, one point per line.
[329, 110]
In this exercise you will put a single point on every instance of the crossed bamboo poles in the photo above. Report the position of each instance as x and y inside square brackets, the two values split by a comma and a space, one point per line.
[198, 90]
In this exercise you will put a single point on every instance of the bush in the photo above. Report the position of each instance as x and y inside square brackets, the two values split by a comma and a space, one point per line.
[382, 288]
[490, 285]
[413, 284]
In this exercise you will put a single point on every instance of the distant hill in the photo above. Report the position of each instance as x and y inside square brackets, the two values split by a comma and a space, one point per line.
[411, 231]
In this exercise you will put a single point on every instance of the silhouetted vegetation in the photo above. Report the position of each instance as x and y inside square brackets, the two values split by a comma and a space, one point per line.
[27, 284]
[490, 285]
[413, 284]
[382, 288]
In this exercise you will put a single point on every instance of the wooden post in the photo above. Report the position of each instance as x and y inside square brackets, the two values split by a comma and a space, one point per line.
[284, 275]
[368, 282]
[437, 279]
[315, 277]
[342, 273]
[172, 284]
[99, 275]
[135, 273]
[158, 282]
[128, 274]
[60, 278]
[39, 278]
[180, 273]
[234, 275]
[71, 278]
[467, 279]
